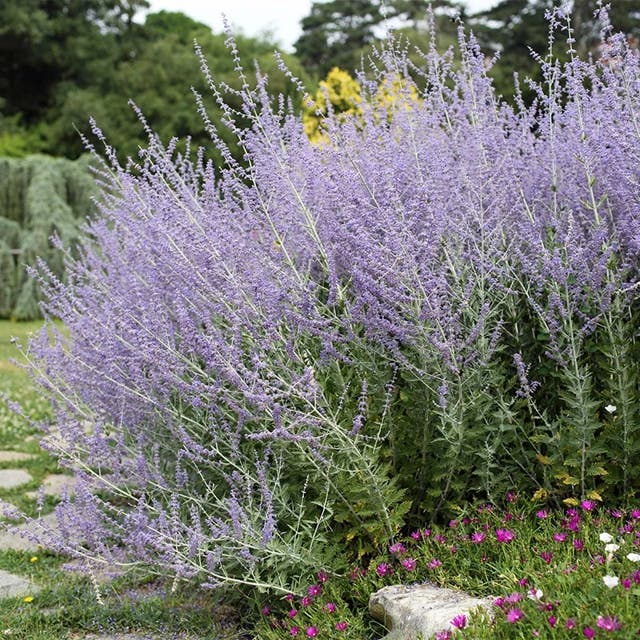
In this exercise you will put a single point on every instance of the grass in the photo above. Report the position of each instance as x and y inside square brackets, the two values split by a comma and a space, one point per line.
[66, 607]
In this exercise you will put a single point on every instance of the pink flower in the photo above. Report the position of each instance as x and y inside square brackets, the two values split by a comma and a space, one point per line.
[513, 598]
[588, 505]
[552, 620]
[434, 564]
[478, 537]
[570, 623]
[409, 564]
[294, 631]
[560, 537]
[341, 626]
[635, 514]
[459, 622]
[542, 514]
[588, 632]
[322, 577]
[306, 601]
[289, 597]
[312, 632]
[415, 535]
[293, 613]
[504, 535]
[314, 590]
[443, 635]
[547, 556]
[383, 569]
[608, 624]
[398, 547]
[265, 611]
[330, 607]
[513, 615]
[578, 545]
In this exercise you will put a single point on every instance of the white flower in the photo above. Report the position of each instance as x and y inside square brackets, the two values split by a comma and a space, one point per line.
[611, 581]
[611, 548]
[610, 408]
[606, 537]
[634, 557]
[535, 594]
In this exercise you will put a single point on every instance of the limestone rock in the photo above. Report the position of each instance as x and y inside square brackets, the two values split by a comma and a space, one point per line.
[420, 610]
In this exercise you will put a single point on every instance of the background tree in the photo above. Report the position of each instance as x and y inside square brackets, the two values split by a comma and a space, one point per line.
[48, 43]
[515, 28]
[163, 91]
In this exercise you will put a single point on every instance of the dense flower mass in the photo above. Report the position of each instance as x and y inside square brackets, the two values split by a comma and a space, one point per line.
[262, 363]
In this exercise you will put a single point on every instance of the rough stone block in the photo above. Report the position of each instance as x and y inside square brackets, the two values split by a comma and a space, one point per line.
[420, 610]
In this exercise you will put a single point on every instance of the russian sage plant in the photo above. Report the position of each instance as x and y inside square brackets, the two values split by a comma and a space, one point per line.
[269, 368]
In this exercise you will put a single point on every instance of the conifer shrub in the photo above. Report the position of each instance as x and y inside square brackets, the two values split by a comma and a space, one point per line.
[40, 198]
[271, 369]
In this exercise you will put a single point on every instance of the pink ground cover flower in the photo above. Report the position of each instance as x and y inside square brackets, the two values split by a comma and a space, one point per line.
[459, 622]
[478, 537]
[409, 564]
[398, 547]
[383, 569]
[504, 535]
[609, 623]
[513, 615]
[434, 564]
[342, 625]
[312, 632]
[314, 590]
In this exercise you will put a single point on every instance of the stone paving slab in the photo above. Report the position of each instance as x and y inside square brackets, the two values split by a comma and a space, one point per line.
[15, 456]
[16, 542]
[12, 586]
[54, 485]
[11, 478]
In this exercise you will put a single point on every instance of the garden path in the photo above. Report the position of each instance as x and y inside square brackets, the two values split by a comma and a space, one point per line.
[15, 586]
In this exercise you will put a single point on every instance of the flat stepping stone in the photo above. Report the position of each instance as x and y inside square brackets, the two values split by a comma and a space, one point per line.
[11, 478]
[14, 541]
[12, 586]
[54, 485]
[15, 456]
[420, 610]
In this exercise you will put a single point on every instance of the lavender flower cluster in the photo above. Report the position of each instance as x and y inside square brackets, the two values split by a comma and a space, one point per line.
[246, 347]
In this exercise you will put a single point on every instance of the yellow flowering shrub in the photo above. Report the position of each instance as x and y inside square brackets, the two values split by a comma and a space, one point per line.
[344, 94]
